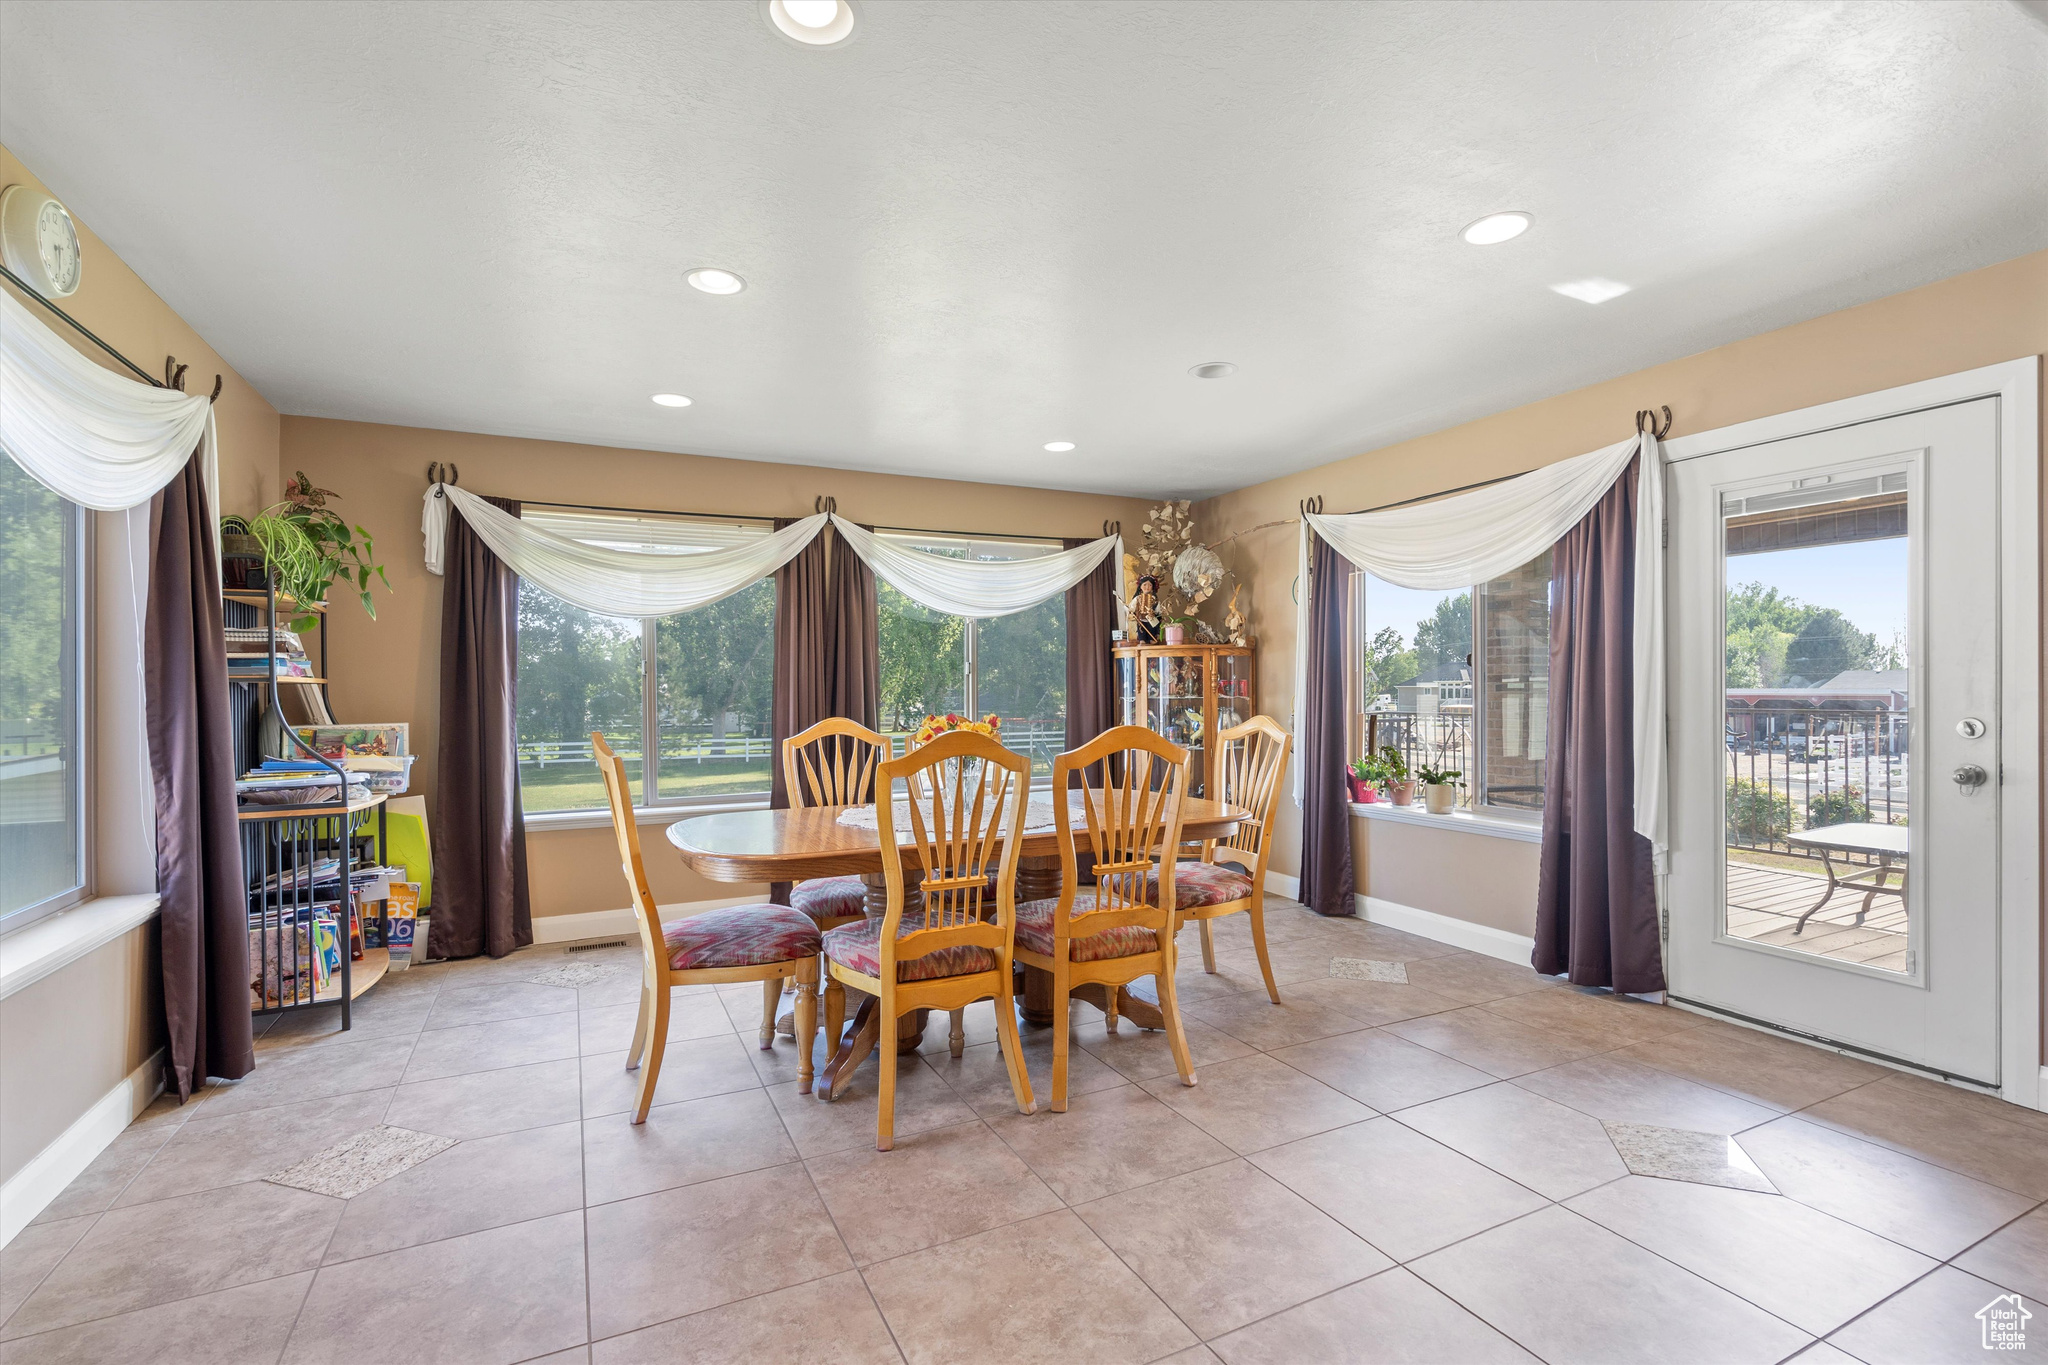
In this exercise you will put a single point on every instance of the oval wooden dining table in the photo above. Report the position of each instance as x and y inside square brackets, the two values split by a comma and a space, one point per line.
[796, 845]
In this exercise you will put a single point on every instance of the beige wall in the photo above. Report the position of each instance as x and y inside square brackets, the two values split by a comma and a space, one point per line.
[389, 669]
[1981, 318]
[70, 1038]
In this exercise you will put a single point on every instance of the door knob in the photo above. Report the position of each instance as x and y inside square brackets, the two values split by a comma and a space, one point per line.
[1970, 777]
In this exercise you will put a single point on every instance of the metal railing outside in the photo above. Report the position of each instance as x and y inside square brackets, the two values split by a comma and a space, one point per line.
[1794, 770]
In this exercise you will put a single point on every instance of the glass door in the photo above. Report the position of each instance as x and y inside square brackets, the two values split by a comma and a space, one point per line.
[1834, 736]
[1176, 691]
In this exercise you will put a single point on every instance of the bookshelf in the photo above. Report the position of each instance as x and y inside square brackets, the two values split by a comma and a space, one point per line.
[313, 938]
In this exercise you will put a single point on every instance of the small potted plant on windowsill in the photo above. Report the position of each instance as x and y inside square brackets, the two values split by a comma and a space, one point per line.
[1363, 779]
[1400, 785]
[1439, 788]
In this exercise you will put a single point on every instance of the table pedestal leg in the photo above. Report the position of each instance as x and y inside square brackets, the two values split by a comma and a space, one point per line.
[1037, 879]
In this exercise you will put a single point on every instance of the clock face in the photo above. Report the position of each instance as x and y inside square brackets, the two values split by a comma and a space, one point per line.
[57, 246]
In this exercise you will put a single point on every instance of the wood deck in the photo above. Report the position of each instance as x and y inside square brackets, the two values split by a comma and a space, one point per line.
[1765, 902]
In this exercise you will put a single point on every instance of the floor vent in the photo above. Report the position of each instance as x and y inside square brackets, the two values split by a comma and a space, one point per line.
[591, 947]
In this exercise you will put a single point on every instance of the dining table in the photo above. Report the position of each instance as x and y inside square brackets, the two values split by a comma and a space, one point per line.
[836, 841]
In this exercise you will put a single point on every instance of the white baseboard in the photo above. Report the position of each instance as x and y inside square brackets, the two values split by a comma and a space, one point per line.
[1283, 884]
[32, 1187]
[619, 923]
[1475, 938]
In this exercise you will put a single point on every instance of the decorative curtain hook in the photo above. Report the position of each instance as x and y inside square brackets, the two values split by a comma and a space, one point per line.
[1111, 528]
[214, 397]
[821, 503]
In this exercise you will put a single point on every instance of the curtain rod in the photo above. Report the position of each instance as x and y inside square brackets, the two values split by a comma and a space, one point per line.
[82, 330]
[1440, 493]
[755, 516]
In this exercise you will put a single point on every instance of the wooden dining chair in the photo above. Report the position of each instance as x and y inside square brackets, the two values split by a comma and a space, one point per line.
[948, 942]
[832, 764]
[764, 943]
[1251, 765]
[1121, 928]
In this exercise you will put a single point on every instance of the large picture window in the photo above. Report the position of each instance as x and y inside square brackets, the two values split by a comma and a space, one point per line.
[42, 760]
[1458, 679]
[690, 689]
[1014, 666]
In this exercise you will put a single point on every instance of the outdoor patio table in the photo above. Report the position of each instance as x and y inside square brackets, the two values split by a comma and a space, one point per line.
[1883, 842]
[793, 845]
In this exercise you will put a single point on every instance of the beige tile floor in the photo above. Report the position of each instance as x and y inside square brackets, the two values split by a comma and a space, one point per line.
[1373, 1171]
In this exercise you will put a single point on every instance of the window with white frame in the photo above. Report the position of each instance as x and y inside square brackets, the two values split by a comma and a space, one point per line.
[1458, 680]
[42, 700]
[691, 690]
[1014, 666]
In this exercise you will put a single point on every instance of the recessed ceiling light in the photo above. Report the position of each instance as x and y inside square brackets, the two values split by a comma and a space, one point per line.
[1059, 445]
[671, 400]
[1213, 369]
[1496, 228]
[1591, 291]
[815, 23]
[715, 281]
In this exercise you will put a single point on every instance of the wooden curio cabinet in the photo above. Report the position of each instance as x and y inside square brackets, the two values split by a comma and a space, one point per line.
[1186, 693]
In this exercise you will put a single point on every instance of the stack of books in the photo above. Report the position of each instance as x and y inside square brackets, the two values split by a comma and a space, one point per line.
[250, 653]
[288, 782]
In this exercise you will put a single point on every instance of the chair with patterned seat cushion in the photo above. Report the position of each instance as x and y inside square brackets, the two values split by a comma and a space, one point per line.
[765, 943]
[943, 942]
[832, 764]
[1107, 936]
[830, 900]
[1231, 876]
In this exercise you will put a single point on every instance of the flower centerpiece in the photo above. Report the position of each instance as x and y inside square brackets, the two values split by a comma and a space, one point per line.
[934, 726]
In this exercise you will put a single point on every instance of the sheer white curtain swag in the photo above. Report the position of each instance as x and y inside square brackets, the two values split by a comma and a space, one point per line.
[97, 438]
[610, 582]
[976, 587]
[1469, 538]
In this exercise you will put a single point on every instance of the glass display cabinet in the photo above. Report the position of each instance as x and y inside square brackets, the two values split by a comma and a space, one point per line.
[1186, 693]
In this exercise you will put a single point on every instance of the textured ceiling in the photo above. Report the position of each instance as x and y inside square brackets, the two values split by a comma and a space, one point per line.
[979, 227]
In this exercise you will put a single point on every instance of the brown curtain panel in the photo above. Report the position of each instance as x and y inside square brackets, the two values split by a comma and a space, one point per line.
[1328, 885]
[1596, 904]
[1091, 669]
[205, 910]
[853, 655]
[802, 691]
[480, 893]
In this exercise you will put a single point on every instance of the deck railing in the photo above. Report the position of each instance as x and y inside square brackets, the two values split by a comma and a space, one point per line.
[1794, 770]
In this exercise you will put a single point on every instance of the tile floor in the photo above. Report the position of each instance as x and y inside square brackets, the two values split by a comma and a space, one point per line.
[1430, 1164]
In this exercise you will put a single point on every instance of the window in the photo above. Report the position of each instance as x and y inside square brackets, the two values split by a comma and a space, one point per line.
[692, 688]
[1424, 682]
[42, 706]
[1014, 666]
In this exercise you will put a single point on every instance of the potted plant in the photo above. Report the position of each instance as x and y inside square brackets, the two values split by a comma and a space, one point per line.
[1177, 629]
[1400, 785]
[1439, 788]
[308, 546]
[1365, 774]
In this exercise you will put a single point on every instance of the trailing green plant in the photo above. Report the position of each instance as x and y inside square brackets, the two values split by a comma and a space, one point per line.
[309, 546]
[1757, 814]
[1437, 777]
[1843, 806]
[1396, 763]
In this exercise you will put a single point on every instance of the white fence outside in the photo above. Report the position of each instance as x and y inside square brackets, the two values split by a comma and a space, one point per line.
[1041, 739]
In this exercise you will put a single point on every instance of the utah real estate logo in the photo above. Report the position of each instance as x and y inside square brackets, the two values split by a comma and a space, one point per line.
[2005, 1323]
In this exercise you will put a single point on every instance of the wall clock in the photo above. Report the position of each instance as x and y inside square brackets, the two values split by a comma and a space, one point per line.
[39, 242]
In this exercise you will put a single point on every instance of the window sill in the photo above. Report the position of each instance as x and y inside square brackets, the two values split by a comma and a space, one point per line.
[1463, 821]
[56, 941]
[642, 815]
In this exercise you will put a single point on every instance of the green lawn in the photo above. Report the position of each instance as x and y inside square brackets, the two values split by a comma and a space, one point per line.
[577, 786]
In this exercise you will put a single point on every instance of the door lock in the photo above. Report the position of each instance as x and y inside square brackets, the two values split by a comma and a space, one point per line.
[1971, 776]
[1971, 728]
